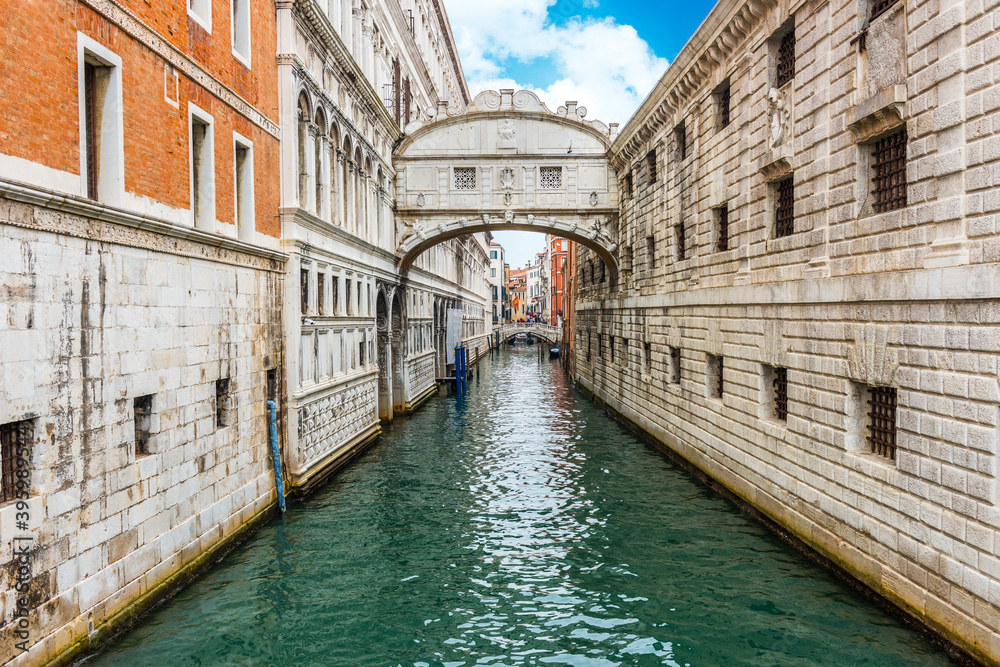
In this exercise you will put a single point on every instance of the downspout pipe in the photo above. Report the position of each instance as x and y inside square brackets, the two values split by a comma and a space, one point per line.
[276, 455]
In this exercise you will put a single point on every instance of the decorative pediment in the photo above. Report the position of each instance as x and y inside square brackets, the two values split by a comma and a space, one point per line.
[880, 113]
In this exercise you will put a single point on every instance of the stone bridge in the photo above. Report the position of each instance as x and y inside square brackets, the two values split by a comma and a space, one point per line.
[506, 162]
[546, 331]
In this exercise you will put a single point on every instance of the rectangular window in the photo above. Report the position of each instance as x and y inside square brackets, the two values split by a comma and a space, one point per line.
[679, 232]
[102, 148]
[784, 207]
[713, 375]
[550, 177]
[320, 289]
[201, 12]
[675, 365]
[588, 346]
[493, 254]
[611, 348]
[222, 403]
[651, 251]
[628, 185]
[304, 290]
[334, 295]
[15, 436]
[361, 354]
[271, 384]
[240, 18]
[786, 58]
[493, 273]
[722, 220]
[202, 169]
[889, 172]
[680, 141]
[648, 353]
[879, 7]
[651, 165]
[465, 178]
[600, 346]
[243, 180]
[347, 294]
[882, 421]
[142, 418]
[776, 393]
[724, 100]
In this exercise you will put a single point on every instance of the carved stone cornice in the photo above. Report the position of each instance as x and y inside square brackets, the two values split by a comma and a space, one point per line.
[881, 113]
[775, 163]
[130, 24]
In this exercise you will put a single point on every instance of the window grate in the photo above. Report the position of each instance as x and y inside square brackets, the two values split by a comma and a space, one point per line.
[724, 96]
[142, 412]
[648, 350]
[465, 178]
[628, 185]
[551, 177]
[718, 379]
[651, 251]
[882, 421]
[675, 365]
[879, 7]
[784, 212]
[222, 400]
[13, 436]
[723, 243]
[680, 139]
[889, 172]
[611, 348]
[780, 384]
[681, 250]
[651, 165]
[786, 58]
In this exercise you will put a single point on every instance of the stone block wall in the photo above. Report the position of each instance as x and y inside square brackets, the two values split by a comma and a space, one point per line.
[907, 300]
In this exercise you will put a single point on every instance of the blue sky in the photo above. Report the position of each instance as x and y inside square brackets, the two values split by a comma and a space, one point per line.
[605, 54]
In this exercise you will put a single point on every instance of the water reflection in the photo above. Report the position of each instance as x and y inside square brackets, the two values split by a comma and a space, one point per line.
[517, 526]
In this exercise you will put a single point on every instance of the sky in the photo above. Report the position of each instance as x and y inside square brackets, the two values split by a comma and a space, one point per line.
[604, 54]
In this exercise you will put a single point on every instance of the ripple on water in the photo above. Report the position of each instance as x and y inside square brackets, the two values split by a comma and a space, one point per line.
[518, 526]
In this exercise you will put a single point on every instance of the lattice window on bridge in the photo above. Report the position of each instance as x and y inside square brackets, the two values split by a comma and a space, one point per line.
[784, 207]
[775, 382]
[784, 57]
[600, 346]
[888, 161]
[722, 223]
[465, 178]
[881, 434]
[674, 372]
[15, 451]
[880, 6]
[550, 178]
[714, 367]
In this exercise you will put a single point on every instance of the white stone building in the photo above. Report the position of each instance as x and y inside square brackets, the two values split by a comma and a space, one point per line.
[498, 285]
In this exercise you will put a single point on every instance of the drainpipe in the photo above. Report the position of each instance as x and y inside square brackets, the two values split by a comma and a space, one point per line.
[276, 455]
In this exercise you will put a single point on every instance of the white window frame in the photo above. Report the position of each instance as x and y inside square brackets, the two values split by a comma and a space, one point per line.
[244, 228]
[207, 223]
[200, 12]
[241, 29]
[111, 179]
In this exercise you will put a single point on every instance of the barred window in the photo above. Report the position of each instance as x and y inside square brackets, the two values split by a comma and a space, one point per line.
[465, 178]
[679, 231]
[628, 184]
[680, 140]
[786, 59]
[879, 7]
[588, 346]
[722, 216]
[882, 421]
[600, 346]
[611, 348]
[142, 414]
[651, 251]
[675, 365]
[320, 293]
[14, 436]
[222, 400]
[304, 277]
[784, 210]
[713, 375]
[648, 350]
[551, 177]
[889, 172]
[724, 95]
[651, 165]
[777, 378]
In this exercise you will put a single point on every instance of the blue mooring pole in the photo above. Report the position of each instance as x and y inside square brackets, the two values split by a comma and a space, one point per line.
[276, 455]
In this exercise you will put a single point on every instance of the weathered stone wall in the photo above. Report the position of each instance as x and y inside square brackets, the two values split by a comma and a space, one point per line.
[96, 314]
[906, 299]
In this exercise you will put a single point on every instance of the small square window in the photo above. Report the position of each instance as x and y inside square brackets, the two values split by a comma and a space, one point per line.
[880, 6]
[15, 455]
[465, 178]
[550, 178]
[784, 207]
[142, 417]
[714, 375]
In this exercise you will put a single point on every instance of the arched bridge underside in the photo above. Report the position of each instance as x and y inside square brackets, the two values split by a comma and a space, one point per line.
[506, 163]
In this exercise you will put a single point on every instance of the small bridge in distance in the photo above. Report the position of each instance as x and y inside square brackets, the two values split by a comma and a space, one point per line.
[546, 332]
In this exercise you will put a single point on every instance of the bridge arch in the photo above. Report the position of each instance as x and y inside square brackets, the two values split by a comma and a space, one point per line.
[506, 162]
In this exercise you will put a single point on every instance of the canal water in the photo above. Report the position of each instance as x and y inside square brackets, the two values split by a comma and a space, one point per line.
[517, 526]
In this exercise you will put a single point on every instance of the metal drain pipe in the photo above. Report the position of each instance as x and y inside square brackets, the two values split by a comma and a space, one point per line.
[276, 455]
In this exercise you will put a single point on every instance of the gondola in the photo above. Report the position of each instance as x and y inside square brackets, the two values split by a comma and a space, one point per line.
[554, 352]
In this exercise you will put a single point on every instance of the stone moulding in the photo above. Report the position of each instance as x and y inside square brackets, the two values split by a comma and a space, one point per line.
[880, 113]
[776, 163]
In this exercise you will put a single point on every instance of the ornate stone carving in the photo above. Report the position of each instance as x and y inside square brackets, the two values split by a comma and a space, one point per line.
[778, 116]
[593, 198]
[421, 199]
[508, 217]
[507, 134]
[507, 178]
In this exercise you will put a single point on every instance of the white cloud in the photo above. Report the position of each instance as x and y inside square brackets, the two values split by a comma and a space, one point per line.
[604, 66]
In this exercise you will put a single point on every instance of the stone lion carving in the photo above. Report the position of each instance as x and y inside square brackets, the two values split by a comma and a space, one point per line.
[777, 116]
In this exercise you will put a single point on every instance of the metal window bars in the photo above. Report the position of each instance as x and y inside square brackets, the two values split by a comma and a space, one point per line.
[882, 421]
[880, 6]
[780, 385]
[12, 436]
[889, 172]
[681, 250]
[465, 178]
[723, 240]
[784, 212]
[724, 96]
[786, 58]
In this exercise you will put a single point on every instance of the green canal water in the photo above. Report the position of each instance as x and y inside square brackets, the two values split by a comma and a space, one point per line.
[518, 526]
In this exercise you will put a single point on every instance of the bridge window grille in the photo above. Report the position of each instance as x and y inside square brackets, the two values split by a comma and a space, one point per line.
[681, 250]
[223, 398]
[724, 101]
[465, 178]
[142, 418]
[882, 421]
[651, 165]
[14, 436]
[880, 6]
[675, 365]
[714, 374]
[722, 215]
[786, 58]
[889, 172]
[784, 210]
[550, 178]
